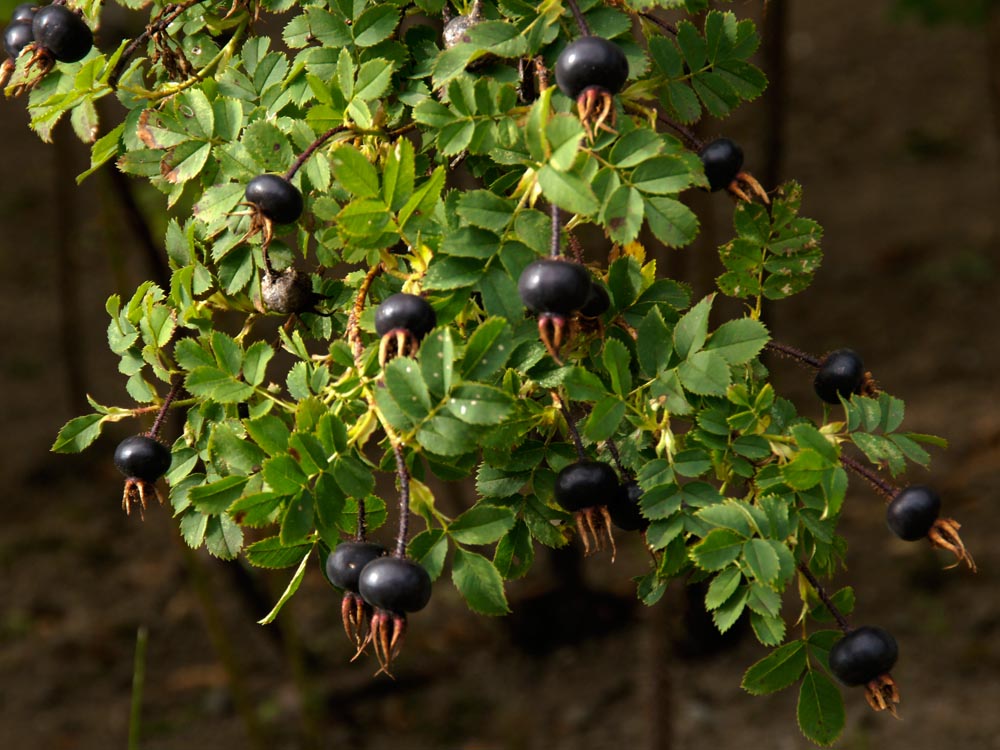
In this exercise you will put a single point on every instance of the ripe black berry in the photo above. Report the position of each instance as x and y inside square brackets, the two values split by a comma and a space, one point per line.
[586, 484]
[345, 563]
[723, 160]
[862, 655]
[841, 373]
[624, 508]
[913, 511]
[553, 285]
[62, 32]
[395, 585]
[24, 13]
[141, 457]
[405, 312]
[16, 37]
[591, 62]
[275, 197]
[598, 301]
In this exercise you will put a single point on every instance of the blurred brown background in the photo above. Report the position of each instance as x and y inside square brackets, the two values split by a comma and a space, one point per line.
[890, 126]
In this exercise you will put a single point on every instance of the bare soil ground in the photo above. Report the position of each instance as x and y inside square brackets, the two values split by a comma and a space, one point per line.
[890, 133]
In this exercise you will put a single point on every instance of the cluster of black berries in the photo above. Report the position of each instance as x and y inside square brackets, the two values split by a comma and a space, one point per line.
[379, 591]
[53, 32]
[593, 493]
[555, 289]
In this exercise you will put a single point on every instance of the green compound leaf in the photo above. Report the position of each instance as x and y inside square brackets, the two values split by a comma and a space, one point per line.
[705, 373]
[479, 582]
[821, 709]
[78, 433]
[293, 586]
[777, 671]
[718, 550]
[482, 524]
[738, 341]
[271, 553]
[479, 404]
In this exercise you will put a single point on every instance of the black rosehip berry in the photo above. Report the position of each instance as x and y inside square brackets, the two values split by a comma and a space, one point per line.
[862, 655]
[62, 32]
[553, 285]
[395, 585]
[345, 563]
[24, 13]
[142, 457]
[591, 62]
[405, 312]
[624, 509]
[913, 511]
[723, 160]
[16, 37]
[586, 484]
[275, 197]
[840, 374]
[598, 301]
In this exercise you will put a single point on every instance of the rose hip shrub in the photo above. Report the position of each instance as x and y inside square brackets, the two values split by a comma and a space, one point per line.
[603, 404]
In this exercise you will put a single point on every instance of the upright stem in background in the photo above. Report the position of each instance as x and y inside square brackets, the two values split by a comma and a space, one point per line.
[138, 682]
[571, 426]
[776, 96]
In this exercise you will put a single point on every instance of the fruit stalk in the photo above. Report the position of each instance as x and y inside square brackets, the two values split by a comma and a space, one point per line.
[571, 425]
[404, 500]
[790, 351]
[554, 250]
[304, 156]
[886, 489]
[175, 387]
[616, 457]
[581, 22]
[824, 597]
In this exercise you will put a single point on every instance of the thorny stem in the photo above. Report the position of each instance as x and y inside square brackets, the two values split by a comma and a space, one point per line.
[578, 16]
[167, 16]
[790, 351]
[304, 156]
[404, 499]
[571, 425]
[884, 488]
[354, 318]
[824, 597]
[556, 228]
[576, 247]
[161, 415]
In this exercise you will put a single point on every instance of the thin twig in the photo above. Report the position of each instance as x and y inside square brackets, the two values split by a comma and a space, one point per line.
[138, 682]
[404, 499]
[886, 489]
[797, 354]
[304, 156]
[580, 20]
[824, 597]
[167, 16]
